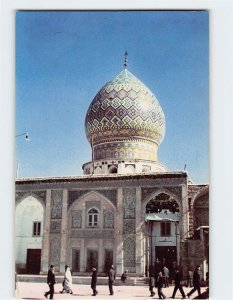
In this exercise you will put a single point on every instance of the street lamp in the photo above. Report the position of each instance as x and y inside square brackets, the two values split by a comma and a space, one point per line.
[26, 136]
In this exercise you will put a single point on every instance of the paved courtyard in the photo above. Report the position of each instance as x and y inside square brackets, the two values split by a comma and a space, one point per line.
[29, 290]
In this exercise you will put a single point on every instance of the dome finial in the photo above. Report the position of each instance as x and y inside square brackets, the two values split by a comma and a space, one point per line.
[126, 60]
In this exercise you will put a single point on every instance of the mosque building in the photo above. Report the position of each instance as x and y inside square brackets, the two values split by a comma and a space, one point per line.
[127, 209]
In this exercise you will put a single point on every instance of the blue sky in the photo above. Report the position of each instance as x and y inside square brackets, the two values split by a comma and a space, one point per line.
[64, 58]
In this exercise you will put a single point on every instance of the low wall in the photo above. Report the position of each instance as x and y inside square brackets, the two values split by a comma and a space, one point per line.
[76, 280]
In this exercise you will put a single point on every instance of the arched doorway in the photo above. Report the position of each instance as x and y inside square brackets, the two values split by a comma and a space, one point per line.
[162, 217]
[28, 235]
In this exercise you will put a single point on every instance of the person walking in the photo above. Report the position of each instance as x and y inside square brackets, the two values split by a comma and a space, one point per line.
[94, 281]
[50, 281]
[157, 268]
[166, 276]
[178, 285]
[111, 278]
[190, 278]
[196, 282]
[67, 282]
[151, 281]
[160, 282]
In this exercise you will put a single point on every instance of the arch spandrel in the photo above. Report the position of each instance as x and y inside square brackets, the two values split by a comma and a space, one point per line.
[40, 196]
[201, 198]
[92, 197]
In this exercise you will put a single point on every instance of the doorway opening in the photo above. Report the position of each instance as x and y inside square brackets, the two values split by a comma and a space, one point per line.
[167, 255]
[92, 260]
[75, 260]
[33, 261]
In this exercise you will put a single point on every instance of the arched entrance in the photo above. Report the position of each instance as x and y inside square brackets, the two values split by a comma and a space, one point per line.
[28, 235]
[163, 236]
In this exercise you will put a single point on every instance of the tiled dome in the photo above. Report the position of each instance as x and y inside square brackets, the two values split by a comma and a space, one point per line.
[123, 109]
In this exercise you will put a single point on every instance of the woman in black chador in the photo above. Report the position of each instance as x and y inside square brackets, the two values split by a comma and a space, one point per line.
[94, 281]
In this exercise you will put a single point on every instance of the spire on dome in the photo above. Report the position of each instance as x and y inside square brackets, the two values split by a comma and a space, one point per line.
[126, 60]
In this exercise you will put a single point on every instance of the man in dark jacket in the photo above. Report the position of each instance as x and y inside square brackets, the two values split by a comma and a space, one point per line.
[94, 281]
[196, 282]
[51, 281]
[178, 285]
[111, 278]
[151, 281]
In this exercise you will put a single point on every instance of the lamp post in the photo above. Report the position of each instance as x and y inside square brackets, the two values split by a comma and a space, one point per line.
[27, 138]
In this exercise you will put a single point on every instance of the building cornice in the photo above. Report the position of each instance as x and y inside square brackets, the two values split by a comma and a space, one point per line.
[104, 177]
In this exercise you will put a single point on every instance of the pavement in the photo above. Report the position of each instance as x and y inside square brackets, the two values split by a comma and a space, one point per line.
[32, 290]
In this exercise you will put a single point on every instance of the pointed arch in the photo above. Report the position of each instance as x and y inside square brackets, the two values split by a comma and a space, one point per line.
[112, 169]
[200, 209]
[22, 196]
[92, 196]
[163, 195]
[204, 192]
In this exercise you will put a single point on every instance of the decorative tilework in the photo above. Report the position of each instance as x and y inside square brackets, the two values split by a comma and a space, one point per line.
[55, 246]
[39, 194]
[92, 233]
[123, 108]
[131, 149]
[176, 191]
[108, 219]
[129, 196]
[147, 191]
[110, 194]
[129, 252]
[77, 219]
[129, 226]
[56, 204]
[92, 203]
[55, 226]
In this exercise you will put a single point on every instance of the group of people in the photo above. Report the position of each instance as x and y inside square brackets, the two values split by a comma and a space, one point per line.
[157, 279]
[160, 280]
[67, 282]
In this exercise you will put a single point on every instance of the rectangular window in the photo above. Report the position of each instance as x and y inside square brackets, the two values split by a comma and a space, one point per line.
[36, 228]
[165, 229]
[93, 219]
[90, 220]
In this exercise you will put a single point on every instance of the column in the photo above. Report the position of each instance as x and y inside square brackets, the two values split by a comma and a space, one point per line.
[140, 257]
[118, 247]
[183, 224]
[45, 238]
[101, 255]
[64, 232]
[82, 257]
[184, 214]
